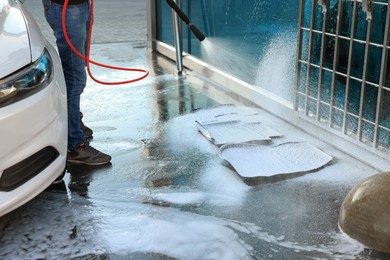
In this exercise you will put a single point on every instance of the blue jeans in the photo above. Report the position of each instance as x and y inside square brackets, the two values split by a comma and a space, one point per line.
[77, 23]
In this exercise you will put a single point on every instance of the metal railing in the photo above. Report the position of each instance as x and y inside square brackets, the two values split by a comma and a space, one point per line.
[177, 29]
[343, 68]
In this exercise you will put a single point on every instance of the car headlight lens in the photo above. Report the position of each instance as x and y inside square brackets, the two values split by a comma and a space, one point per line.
[27, 81]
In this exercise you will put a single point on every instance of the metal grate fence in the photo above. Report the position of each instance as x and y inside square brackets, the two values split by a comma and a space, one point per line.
[343, 68]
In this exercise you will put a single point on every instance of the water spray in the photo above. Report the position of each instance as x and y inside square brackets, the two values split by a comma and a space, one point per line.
[184, 17]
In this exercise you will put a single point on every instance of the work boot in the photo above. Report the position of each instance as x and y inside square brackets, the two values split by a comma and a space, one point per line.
[88, 133]
[86, 154]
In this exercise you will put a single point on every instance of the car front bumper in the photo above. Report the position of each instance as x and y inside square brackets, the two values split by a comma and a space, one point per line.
[29, 126]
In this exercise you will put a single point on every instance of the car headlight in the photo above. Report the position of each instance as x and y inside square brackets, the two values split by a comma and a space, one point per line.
[27, 81]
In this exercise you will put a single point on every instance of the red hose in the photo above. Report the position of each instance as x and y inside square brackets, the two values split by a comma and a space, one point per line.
[88, 60]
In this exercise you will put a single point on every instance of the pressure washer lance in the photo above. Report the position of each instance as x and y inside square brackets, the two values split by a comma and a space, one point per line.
[184, 17]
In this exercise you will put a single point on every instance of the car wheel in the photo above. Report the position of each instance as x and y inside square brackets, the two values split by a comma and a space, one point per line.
[59, 178]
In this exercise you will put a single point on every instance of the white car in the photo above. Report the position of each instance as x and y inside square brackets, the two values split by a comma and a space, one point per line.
[33, 109]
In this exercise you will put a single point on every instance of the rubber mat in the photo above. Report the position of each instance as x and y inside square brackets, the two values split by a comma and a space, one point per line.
[250, 160]
[229, 132]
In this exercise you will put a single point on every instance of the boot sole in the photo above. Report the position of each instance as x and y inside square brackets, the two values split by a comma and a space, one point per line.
[87, 163]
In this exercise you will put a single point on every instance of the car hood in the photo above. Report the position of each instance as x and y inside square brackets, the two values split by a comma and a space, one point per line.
[20, 39]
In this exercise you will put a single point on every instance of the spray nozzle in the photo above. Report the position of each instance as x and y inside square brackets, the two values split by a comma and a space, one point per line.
[184, 17]
[197, 32]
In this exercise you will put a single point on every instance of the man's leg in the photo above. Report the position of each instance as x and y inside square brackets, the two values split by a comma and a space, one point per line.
[75, 75]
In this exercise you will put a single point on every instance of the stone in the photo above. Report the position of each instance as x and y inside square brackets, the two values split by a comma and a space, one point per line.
[365, 212]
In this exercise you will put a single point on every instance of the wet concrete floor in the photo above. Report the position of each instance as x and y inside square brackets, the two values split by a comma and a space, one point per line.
[167, 193]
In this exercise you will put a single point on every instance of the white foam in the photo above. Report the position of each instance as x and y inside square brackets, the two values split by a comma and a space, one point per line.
[173, 233]
[182, 198]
